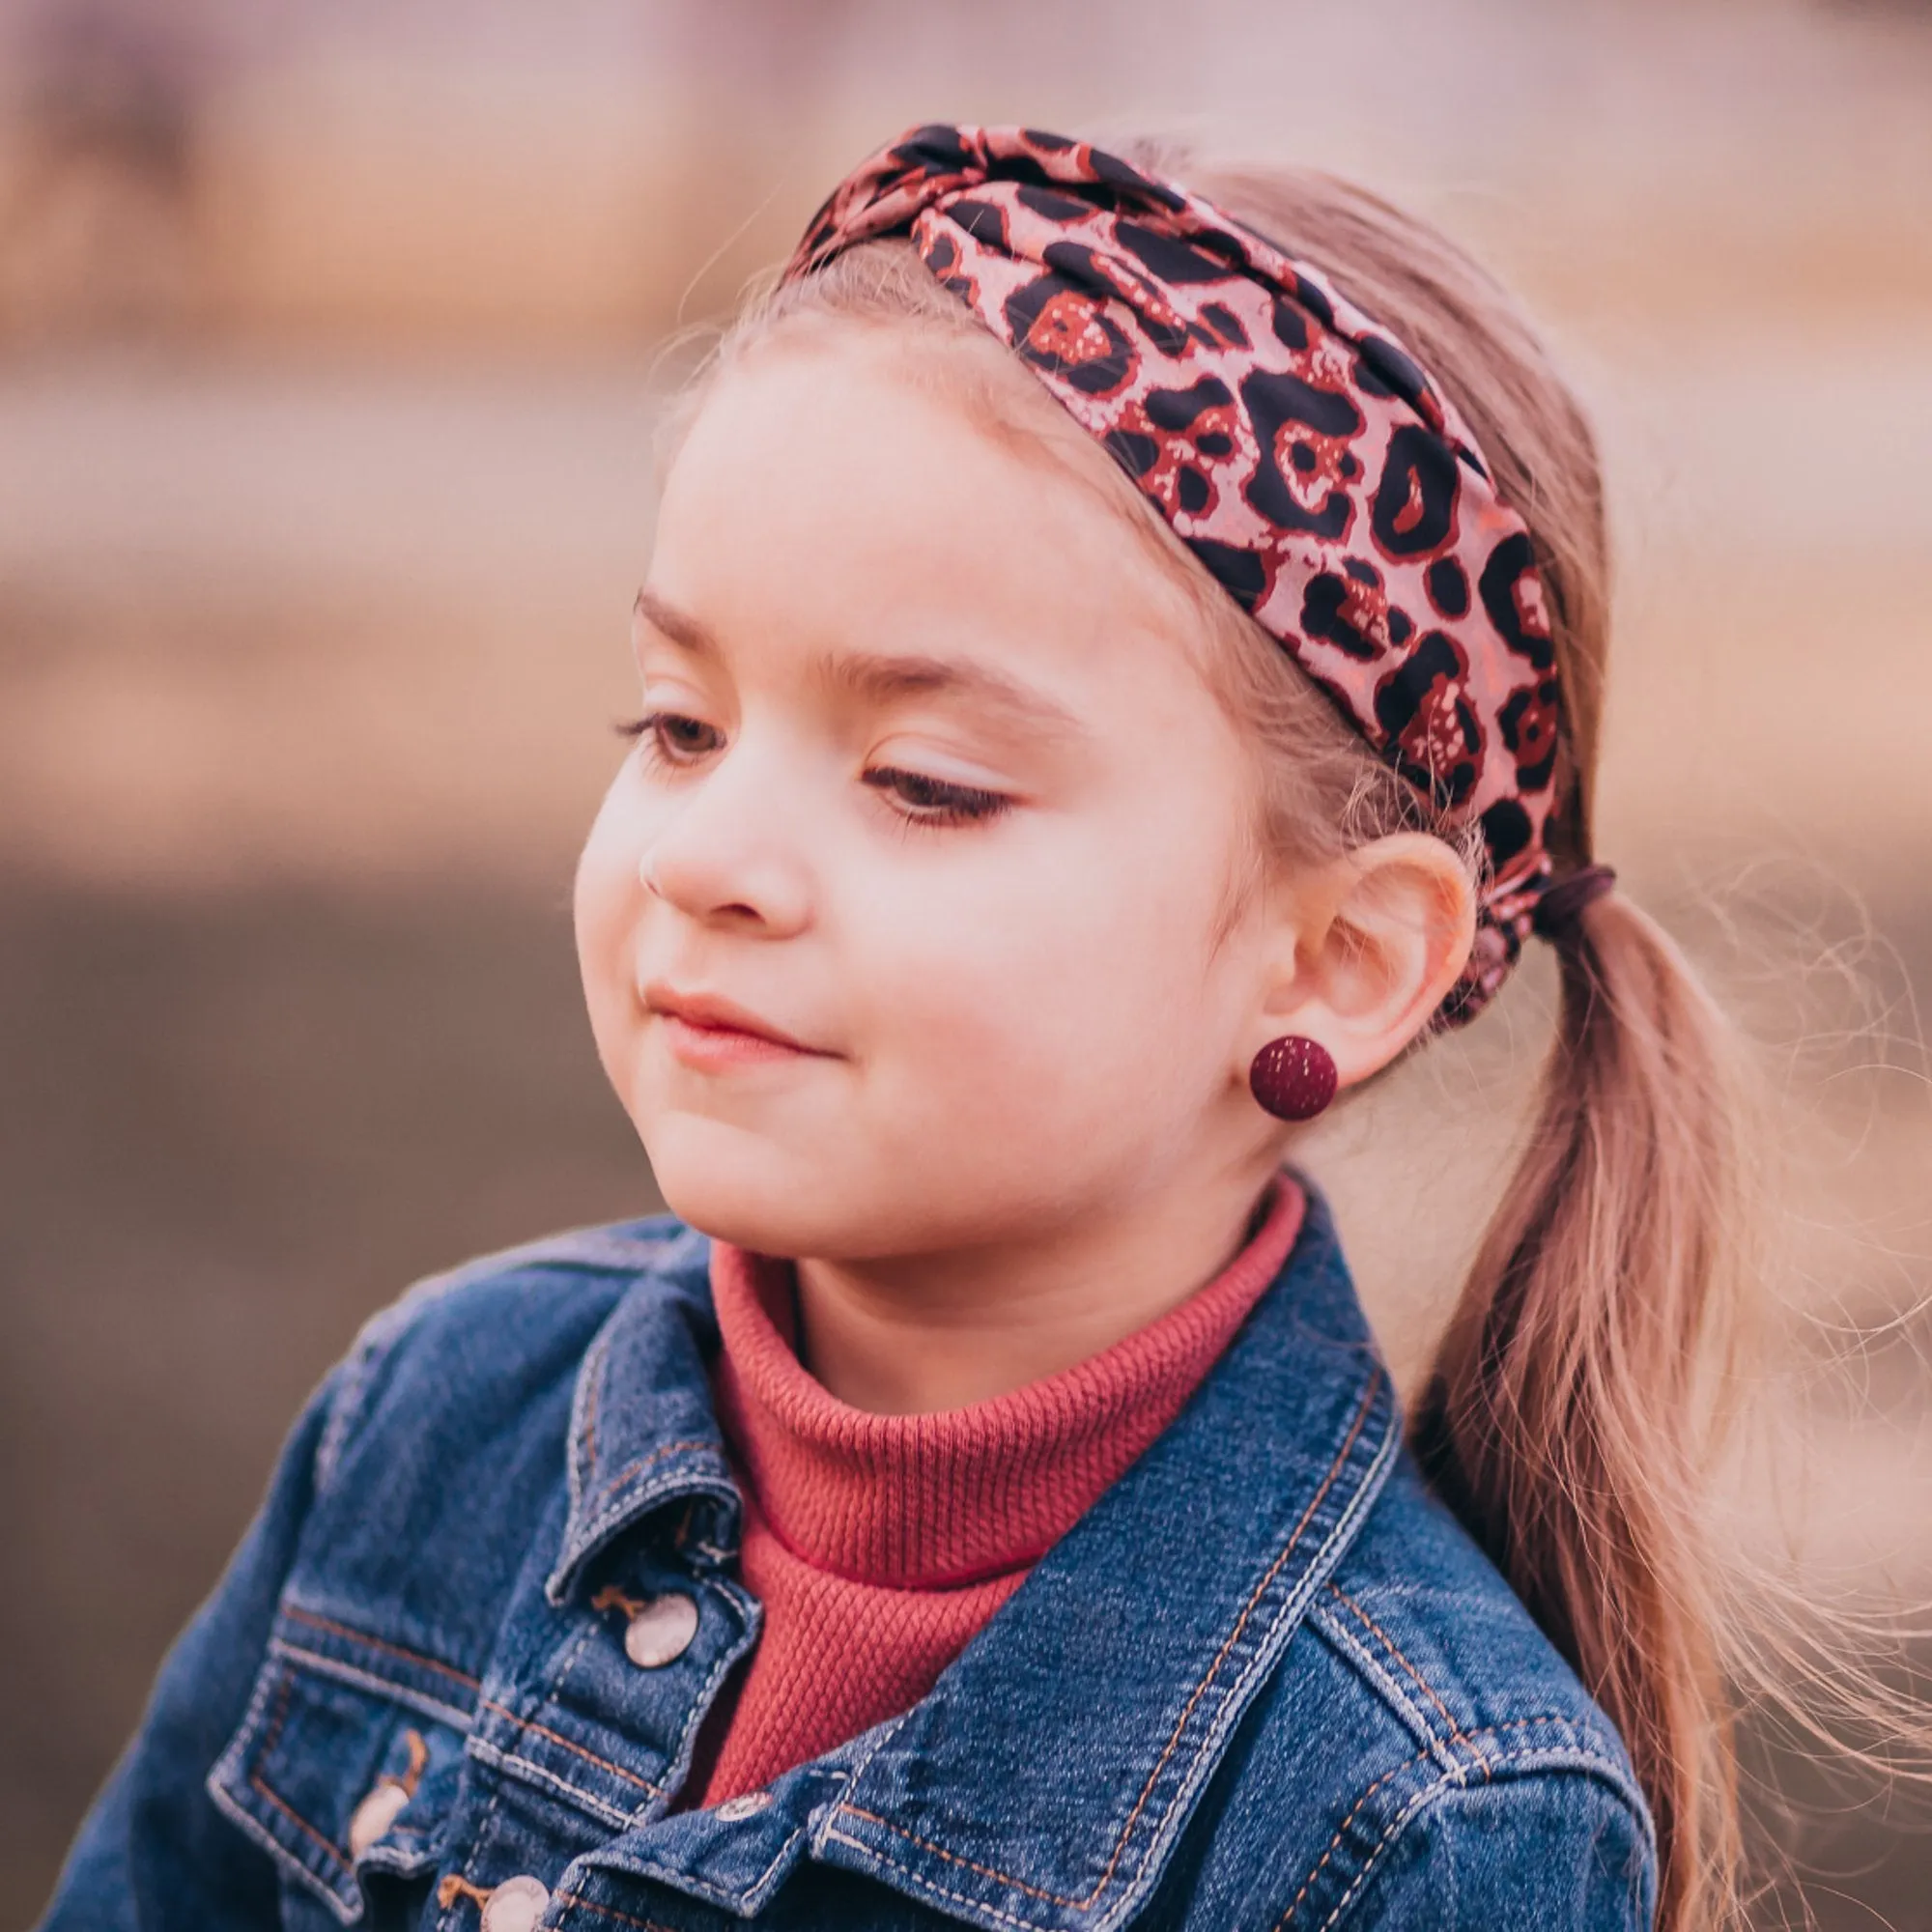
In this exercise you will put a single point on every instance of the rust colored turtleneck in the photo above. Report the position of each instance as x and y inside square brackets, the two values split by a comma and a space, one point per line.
[879, 1544]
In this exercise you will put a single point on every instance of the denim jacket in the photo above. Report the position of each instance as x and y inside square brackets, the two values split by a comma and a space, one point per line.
[1266, 1684]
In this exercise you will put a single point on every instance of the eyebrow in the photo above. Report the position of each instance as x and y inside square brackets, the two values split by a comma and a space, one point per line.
[880, 676]
[677, 626]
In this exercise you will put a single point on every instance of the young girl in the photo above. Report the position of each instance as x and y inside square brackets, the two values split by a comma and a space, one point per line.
[1122, 665]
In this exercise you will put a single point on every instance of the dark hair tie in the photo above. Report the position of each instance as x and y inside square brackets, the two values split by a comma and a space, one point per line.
[1559, 913]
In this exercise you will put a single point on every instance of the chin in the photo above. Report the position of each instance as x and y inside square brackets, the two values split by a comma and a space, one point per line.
[730, 1185]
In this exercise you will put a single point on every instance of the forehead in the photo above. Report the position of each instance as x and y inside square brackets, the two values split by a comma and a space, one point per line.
[832, 489]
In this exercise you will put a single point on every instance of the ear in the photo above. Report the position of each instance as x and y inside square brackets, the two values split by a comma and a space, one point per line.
[1366, 950]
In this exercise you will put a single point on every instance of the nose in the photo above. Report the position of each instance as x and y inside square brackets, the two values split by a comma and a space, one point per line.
[728, 855]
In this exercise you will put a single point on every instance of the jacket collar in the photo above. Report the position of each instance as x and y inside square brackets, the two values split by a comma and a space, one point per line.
[1047, 1777]
[642, 1435]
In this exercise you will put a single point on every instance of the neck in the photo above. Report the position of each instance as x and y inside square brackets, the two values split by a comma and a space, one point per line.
[911, 1335]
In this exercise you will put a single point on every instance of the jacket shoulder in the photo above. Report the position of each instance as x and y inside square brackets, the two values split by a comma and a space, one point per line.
[508, 1317]
[1424, 1741]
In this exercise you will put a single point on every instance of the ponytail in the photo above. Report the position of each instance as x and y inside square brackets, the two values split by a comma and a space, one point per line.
[1575, 1410]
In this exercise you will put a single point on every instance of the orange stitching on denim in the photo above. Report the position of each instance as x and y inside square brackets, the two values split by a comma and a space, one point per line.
[610, 1912]
[1341, 1830]
[953, 1858]
[296, 1818]
[375, 1683]
[1420, 1682]
[557, 1738]
[300, 1616]
[927, 1883]
[284, 1698]
[1316, 1501]
[1233, 1637]
[256, 1781]
[642, 1464]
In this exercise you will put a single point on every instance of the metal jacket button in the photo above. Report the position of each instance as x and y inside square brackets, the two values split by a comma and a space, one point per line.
[516, 1905]
[660, 1631]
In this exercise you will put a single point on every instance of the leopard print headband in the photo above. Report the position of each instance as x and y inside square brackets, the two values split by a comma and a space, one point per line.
[1295, 447]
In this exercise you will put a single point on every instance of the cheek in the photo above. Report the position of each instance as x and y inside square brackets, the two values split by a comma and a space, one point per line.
[604, 907]
[1068, 978]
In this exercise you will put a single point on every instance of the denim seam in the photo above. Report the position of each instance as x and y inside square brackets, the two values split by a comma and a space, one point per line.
[636, 1467]
[529, 1772]
[486, 1826]
[297, 1614]
[887, 1731]
[939, 1890]
[727, 1660]
[578, 1899]
[1233, 1637]
[1422, 1798]
[284, 1691]
[284, 1698]
[790, 1838]
[510, 1760]
[488, 1823]
[233, 1765]
[577, 1749]
[258, 1784]
[1357, 1657]
[386, 1688]
[612, 1508]
[1457, 1776]
[1106, 1878]
[1458, 1780]
[733, 1901]
[1416, 1677]
[581, 1545]
[483, 1842]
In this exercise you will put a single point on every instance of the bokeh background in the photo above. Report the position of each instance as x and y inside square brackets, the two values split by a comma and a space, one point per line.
[332, 340]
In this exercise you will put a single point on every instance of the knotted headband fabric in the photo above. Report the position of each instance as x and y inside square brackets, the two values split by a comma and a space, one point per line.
[1294, 446]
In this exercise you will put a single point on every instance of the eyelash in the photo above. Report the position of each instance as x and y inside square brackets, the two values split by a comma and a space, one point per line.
[935, 802]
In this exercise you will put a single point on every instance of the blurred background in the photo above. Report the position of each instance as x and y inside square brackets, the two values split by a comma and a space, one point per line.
[329, 356]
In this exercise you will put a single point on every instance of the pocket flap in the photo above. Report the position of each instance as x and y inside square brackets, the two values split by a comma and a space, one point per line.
[349, 1760]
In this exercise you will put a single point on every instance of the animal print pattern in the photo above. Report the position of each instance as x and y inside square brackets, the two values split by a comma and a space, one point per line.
[1294, 446]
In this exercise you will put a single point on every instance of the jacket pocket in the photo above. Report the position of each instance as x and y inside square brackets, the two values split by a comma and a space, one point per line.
[347, 1765]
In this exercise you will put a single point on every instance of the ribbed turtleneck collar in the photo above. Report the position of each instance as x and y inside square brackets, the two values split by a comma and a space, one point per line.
[928, 1501]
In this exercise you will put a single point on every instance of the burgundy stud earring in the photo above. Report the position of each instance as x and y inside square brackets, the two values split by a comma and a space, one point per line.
[1294, 1077]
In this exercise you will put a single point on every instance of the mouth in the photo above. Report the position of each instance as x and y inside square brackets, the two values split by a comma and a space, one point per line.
[710, 1033]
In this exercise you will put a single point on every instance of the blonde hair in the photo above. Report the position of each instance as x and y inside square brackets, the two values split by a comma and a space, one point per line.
[1576, 1411]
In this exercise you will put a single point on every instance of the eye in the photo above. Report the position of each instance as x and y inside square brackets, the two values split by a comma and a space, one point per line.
[671, 738]
[925, 800]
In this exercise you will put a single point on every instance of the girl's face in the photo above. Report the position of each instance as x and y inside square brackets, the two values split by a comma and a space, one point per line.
[906, 928]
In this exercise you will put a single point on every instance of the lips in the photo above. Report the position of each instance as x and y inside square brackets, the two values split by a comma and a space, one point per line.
[708, 1019]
